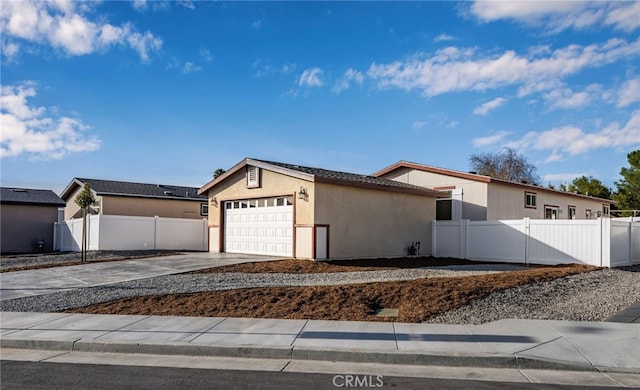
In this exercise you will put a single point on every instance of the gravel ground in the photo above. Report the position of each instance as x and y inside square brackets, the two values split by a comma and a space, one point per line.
[591, 296]
[192, 283]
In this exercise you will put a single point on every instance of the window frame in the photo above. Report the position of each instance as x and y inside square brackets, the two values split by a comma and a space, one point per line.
[203, 212]
[571, 212]
[552, 208]
[530, 195]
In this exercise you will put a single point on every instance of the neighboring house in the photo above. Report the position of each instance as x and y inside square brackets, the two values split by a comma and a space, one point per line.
[26, 219]
[136, 199]
[478, 197]
[271, 208]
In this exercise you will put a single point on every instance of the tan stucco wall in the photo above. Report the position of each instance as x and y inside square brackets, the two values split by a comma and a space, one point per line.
[507, 202]
[150, 207]
[271, 184]
[21, 225]
[372, 223]
[72, 210]
[474, 193]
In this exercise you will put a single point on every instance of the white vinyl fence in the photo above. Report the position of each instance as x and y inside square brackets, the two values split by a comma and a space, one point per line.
[604, 242]
[114, 232]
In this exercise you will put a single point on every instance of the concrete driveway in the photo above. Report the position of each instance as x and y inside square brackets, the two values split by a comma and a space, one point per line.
[49, 280]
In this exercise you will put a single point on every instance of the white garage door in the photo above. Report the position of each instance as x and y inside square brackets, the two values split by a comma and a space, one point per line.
[259, 226]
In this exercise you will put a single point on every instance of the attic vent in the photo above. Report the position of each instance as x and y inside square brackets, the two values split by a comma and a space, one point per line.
[253, 177]
[18, 190]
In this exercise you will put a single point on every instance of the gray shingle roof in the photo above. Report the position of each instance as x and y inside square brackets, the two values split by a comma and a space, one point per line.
[350, 177]
[110, 187]
[29, 196]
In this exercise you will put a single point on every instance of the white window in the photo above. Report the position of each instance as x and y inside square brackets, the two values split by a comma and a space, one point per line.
[204, 209]
[444, 207]
[588, 214]
[605, 209]
[253, 177]
[572, 212]
[530, 199]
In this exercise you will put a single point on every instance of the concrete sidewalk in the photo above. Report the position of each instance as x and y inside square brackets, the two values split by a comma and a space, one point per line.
[50, 280]
[515, 344]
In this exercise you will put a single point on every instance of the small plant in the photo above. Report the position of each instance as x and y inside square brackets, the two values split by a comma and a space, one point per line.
[85, 199]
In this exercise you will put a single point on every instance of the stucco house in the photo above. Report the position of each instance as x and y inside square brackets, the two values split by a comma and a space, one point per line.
[136, 199]
[477, 197]
[272, 208]
[26, 219]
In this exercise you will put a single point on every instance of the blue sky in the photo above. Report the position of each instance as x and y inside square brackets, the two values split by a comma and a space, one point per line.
[167, 92]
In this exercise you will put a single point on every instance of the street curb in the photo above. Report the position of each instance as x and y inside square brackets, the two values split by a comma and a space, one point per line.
[296, 353]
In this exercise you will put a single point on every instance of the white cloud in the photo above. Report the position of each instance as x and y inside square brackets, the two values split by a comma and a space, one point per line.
[556, 16]
[565, 98]
[494, 139]
[311, 78]
[37, 132]
[190, 67]
[629, 92]
[257, 25]
[351, 75]
[206, 55]
[264, 68]
[462, 69]
[562, 177]
[419, 124]
[443, 38]
[66, 26]
[488, 106]
[139, 5]
[187, 4]
[572, 140]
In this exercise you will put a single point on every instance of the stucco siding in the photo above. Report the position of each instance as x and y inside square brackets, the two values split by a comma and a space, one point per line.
[371, 223]
[506, 202]
[150, 207]
[22, 225]
[474, 193]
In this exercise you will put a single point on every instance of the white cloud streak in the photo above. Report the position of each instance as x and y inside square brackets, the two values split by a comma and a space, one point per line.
[311, 77]
[66, 26]
[629, 93]
[444, 38]
[557, 16]
[462, 69]
[488, 106]
[190, 67]
[37, 133]
[494, 139]
[350, 76]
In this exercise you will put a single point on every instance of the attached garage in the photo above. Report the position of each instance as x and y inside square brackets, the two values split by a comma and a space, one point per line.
[270, 208]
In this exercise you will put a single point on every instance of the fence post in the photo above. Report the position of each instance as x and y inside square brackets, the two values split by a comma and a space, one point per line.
[464, 229]
[155, 232]
[434, 237]
[527, 236]
[605, 242]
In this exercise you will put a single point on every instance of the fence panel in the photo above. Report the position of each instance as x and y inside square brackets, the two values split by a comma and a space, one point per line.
[496, 241]
[181, 234]
[564, 241]
[602, 242]
[448, 239]
[114, 232]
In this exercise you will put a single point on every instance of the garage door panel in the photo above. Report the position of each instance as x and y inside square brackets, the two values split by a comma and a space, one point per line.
[259, 230]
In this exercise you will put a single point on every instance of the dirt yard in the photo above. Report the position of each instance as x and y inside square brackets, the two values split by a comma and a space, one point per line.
[416, 300]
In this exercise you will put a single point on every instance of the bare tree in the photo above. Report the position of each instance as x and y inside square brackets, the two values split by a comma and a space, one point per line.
[507, 165]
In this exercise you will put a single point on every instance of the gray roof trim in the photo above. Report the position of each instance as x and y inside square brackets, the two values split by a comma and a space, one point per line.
[134, 190]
